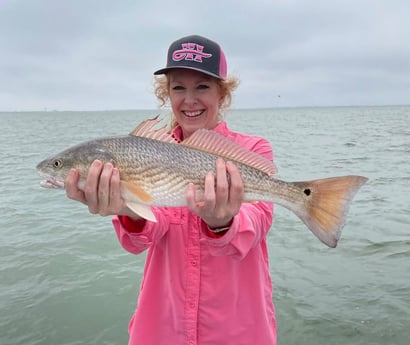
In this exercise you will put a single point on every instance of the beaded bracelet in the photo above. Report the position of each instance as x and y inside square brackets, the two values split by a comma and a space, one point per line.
[217, 230]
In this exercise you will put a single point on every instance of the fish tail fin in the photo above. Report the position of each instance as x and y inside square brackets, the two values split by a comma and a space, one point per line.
[326, 204]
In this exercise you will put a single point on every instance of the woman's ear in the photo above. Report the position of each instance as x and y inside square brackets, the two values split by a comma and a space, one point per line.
[221, 101]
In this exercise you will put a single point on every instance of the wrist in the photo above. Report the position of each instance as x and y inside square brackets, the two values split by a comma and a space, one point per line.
[220, 229]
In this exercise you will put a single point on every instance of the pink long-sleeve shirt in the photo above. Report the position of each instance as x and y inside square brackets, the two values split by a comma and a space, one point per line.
[199, 288]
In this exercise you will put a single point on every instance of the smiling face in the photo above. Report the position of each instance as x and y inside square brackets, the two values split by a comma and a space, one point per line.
[195, 100]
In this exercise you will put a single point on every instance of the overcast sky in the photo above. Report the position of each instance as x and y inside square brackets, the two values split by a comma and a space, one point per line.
[100, 55]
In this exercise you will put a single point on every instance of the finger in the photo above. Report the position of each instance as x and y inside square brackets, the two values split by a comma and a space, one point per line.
[222, 185]
[115, 190]
[236, 188]
[71, 186]
[104, 188]
[209, 191]
[117, 204]
[190, 197]
[91, 186]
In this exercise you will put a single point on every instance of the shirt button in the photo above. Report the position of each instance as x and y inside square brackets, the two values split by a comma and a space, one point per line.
[193, 263]
[192, 305]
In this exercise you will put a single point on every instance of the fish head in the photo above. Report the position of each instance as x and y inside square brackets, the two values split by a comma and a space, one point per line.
[54, 170]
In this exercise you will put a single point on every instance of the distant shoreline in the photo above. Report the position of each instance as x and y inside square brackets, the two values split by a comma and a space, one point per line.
[166, 110]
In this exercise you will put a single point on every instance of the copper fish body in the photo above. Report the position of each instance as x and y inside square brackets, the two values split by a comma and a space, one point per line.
[155, 171]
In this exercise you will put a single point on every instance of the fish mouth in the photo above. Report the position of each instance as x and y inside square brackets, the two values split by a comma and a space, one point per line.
[51, 182]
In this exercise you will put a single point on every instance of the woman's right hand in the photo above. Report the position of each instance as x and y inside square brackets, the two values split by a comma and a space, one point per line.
[102, 190]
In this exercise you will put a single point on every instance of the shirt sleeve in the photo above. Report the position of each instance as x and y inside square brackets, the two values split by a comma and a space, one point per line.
[249, 226]
[137, 236]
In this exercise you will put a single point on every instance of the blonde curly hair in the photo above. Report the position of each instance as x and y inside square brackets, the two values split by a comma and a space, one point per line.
[226, 88]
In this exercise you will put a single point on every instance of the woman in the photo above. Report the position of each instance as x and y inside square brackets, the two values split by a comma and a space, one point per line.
[206, 277]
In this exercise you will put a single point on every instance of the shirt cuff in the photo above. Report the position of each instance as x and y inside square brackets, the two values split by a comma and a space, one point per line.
[132, 225]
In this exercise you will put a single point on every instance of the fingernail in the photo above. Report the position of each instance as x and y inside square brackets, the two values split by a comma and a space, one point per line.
[96, 164]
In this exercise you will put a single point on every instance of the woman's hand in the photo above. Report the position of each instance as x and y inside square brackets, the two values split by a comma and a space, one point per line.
[221, 199]
[102, 191]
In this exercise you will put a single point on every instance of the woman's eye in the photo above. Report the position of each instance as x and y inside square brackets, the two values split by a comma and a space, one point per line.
[203, 87]
[177, 88]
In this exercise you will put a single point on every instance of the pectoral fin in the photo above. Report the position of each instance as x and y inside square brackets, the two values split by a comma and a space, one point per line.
[137, 200]
[133, 192]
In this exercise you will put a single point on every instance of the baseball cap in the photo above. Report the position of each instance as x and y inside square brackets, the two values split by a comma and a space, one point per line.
[196, 53]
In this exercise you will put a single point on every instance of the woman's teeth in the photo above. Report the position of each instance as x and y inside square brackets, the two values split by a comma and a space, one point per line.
[193, 113]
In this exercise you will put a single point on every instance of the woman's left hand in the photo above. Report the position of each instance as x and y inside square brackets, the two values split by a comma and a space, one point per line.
[221, 199]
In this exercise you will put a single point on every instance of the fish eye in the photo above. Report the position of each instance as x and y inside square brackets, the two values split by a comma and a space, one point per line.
[58, 163]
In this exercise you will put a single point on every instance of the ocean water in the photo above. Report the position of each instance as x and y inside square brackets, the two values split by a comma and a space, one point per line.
[65, 280]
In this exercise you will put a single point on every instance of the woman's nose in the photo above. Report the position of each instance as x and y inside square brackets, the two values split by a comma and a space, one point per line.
[190, 97]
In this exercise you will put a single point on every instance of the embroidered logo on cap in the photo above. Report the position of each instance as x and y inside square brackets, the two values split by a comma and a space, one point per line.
[191, 52]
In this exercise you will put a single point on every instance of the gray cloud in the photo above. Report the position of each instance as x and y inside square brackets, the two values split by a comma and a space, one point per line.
[86, 55]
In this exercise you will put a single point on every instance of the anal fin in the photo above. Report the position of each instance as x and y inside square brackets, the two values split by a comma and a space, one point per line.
[142, 210]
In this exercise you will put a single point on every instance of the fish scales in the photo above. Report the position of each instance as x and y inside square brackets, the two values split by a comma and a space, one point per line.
[165, 168]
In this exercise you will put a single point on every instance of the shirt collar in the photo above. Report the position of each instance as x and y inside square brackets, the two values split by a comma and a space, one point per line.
[221, 128]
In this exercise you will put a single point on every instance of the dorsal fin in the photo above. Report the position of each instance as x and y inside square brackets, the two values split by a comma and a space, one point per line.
[215, 143]
[146, 129]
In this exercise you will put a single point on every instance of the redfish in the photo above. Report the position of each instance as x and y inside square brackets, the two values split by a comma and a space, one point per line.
[155, 171]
